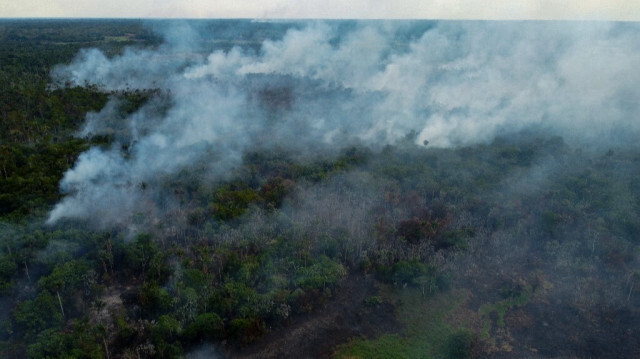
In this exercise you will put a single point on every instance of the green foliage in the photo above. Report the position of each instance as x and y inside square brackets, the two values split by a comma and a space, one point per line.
[513, 297]
[321, 274]
[154, 299]
[143, 258]
[373, 301]
[274, 191]
[460, 345]
[65, 277]
[444, 280]
[241, 269]
[165, 336]
[408, 272]
[82, 341]
[60, 250]
[125, 333]
[8, 270]
[239, 299]
[208, 326]
[167, 329]
[231, 203]
[388, 346]
[38, 314]
[30, 175]
[194, 278]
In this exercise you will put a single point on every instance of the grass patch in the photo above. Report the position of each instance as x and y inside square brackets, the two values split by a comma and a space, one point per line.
[426, 334]
[117, 38]
[387, 346]
[502, 307]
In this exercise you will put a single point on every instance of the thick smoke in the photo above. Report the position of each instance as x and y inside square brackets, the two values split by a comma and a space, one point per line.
[324, 85]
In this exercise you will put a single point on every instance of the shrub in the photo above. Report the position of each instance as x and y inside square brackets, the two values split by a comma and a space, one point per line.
[205, 326]
[247, 330]
[373, 301]
[321, 274]
[164, 335]
[408, 272]
[460, 344]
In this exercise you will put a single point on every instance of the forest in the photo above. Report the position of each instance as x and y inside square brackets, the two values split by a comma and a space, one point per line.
[338, 189]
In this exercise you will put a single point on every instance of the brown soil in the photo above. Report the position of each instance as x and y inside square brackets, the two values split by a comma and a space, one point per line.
[316, 335]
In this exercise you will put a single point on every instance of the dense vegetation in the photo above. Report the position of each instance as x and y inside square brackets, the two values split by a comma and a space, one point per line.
[525, 246]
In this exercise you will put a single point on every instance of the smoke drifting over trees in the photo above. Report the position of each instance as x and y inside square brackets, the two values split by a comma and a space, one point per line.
[324, 85]
[347, 189]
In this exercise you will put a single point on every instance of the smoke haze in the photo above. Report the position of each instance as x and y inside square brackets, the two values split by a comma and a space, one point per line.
[321, 86]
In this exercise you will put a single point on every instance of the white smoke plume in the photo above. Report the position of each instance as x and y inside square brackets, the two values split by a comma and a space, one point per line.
[322, 85]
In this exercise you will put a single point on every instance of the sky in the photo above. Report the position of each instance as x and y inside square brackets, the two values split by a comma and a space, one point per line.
[619, 10]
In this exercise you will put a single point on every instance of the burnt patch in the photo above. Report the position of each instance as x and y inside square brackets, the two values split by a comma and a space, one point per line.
[347, 315]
